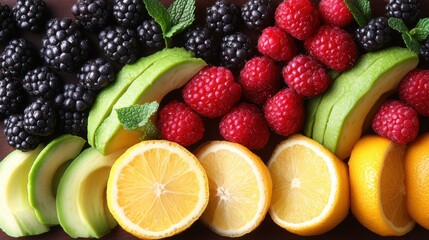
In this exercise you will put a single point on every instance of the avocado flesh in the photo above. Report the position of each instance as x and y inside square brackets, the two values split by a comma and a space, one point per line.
[81, 198]
[41, 188]
[17, 218]
[347, 116]
[108, 96]
[158, 80]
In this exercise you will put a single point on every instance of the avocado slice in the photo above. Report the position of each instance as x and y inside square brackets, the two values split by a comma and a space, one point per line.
[17, 217]
[159, 79]
[50, 164]
[81, 197]
[108, 96]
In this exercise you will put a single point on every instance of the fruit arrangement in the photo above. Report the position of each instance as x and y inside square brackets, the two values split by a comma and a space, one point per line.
[220, 119]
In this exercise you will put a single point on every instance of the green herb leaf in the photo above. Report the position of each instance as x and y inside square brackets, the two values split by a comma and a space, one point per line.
[421, 31]
[360, 9]
[397, 24]
[159, 13]
[137, 118]
[182, 11]
[410, 42]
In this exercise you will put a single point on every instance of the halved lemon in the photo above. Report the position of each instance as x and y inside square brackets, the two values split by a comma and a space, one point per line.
[240, 188]
[310, 187]
[157, 189]
[377, 182]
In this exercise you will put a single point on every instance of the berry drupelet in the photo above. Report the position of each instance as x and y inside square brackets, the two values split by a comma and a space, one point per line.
[42, 82]
[375, 35]
[258, 14]
[202, 42]
[64, 46]
[424, 51]
[150, 34]
[129, 13]
[407, 10]
[16, 136]
[12, 97]
[235, 49]
[18, 57]
[30, 14]
[92, 15]
[72, 122]
[96, 74]
[40, 118]
[119, 44]
[223, 17]
[75, 97]
[7, 23]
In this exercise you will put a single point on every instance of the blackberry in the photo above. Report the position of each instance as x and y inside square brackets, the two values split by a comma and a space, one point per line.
[424, 51]
[235, 50]
[92, 15]
[64, 46]
[375, 35]
[40, 118]
[96, 74]
[7, 23]
[258, 14]
[75, 97]
[119, 44]
[150, 34]
[18, 57]
[72, 122]
[16, 136]
[223, 17]
[407, 10]
[30, 14]
[202, 42]
[129, 13]
[12, 97]
[42, 82]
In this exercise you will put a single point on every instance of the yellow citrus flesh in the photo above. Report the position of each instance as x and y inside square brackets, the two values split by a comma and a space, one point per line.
[157, 189]
[377, 186]
[240, 188]
[310, 187]
[417, 180]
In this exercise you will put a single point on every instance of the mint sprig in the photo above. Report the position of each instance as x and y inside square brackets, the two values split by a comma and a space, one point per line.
[360, 9]
[138, 118]
[179, 15]
[412, 38]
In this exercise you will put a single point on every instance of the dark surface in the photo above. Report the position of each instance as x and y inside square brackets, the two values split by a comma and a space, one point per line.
[348, 229]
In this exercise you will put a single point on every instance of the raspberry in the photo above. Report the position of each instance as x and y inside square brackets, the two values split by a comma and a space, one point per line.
[334, 47]
[306, 76]
[414, 89]
[335, 12]
[260, 79]
[297, 17]
[276, 44]
[285, 112]
[396, 121]
[212, 92]
[179, 123]
[245, 124]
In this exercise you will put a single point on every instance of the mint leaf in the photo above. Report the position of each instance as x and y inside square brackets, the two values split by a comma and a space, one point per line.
[360, 9]
[421, 31]
[397, 24]
[182, 14]
[159, 13]
[137, 118]
[410, 42]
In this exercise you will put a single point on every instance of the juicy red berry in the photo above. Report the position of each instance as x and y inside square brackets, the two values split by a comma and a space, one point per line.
[284, 112]
[276, 44]
[335, 12]
[212, 92]
[414, 90]
[245, 124]
[179, 123]
[260, 79]
[306, 76]
[334, 47]
[297, 17]
[396, 121]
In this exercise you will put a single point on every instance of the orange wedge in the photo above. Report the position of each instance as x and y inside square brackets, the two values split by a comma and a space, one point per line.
[240, 188]
[157, 189]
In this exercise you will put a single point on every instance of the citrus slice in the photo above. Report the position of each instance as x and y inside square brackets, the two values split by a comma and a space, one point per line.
[240, 188]
[310, 187]
[157, 189]
[417, 179]
[377, 186]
